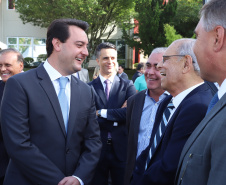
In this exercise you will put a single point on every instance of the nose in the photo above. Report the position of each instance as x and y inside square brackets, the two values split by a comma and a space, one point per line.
[159, 66]
[85, 51]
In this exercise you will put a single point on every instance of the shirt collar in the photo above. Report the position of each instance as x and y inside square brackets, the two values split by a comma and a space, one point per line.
[102, 79]
[161, 97]
[179, 98]
[52, 72]
[222, 89]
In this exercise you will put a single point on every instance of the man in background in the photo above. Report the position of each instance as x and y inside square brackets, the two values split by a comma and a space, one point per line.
[139, 71]
[11, 63]
[111, 92]
[121, 73]
[141, 111]
[83, 75]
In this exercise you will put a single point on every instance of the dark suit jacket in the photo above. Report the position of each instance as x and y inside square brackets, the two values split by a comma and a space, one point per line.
[133, 115]
[34, 133]
[121, 90]
[136, 74]
[202, 160]
[162, 168]
[124, 76]
[212, 87]
[4, 159]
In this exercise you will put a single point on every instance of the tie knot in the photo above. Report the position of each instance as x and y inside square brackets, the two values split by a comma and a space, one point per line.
[63, 82]
[170, 105]
[107, 81]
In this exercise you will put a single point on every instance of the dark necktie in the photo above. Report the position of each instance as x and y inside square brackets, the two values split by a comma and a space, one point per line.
[214, 100]
[160, 131]
[107, 88]
[63, 99]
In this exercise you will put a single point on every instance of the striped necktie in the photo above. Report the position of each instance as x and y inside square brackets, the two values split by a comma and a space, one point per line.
[161, 130]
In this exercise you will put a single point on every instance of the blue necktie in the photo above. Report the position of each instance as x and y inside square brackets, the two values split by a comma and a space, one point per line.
[63, 99]
[214, 100]
[107, 88]
[160, 131]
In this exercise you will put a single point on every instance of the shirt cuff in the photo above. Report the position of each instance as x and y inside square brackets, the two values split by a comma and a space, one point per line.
[81, 182]
[103, 113]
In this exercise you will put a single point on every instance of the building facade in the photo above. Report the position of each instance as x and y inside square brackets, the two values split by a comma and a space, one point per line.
[30, 40]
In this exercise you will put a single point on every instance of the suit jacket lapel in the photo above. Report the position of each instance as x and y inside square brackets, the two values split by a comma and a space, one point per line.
[47, 85]
[114, 91]
[75, 100]
[100, 90]
[219, 105]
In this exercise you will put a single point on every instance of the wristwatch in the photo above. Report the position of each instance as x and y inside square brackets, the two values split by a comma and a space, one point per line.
[99, 113]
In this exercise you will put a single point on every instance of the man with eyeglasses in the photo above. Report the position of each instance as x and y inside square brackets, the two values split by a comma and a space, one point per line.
[177, 116]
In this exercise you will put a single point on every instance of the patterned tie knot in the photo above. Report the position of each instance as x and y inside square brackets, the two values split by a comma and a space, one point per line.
[63, 82]
[170, 105]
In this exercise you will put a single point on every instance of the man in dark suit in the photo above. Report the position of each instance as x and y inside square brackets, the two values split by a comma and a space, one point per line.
[11, 63]
[141, 111]
[121, 73]
[48, 116]
[202, 160]
[177, 116]
[139, 71]
[111, 92]
[83, 75]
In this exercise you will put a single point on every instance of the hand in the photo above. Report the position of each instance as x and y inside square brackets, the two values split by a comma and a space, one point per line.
[69, 181]
[97, 112]
[124, 104]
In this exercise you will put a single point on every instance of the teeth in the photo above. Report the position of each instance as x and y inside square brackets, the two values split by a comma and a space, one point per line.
[163, 74]
[78, 59]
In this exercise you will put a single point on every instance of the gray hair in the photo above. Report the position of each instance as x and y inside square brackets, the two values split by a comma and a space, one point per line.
[159, 50]
[213, 14]
[186, 48]
[20, 58]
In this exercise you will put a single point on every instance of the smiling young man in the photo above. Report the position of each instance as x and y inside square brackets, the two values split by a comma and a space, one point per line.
[48, 116]
[141, 111]
[111, 92]
[11, 63]
[177, 115]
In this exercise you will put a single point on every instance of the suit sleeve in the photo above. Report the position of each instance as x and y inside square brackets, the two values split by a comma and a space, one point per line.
[15, 129]
[92, 147]
[119, 114]
[163, 170]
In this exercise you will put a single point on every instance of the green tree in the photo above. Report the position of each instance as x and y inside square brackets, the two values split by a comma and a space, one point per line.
[187, 17]
[170, 34]
[151, 15]
[100, 14]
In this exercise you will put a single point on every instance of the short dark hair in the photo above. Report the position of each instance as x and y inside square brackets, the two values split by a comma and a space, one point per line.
[122, 66]
[104, 45]
[20, 57]
[140, 66]
[59, 29]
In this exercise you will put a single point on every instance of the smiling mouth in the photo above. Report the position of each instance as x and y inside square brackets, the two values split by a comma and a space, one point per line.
[79, 59]
[163, 74]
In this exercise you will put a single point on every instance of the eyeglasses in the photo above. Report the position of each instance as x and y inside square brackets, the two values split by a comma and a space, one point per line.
[166, 57]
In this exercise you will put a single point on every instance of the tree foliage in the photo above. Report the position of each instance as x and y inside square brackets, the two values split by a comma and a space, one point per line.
[187, 16]
[151, 15]
[100, 14]
[170, 34]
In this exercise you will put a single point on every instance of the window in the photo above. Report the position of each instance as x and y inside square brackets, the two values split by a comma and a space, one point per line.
[28, 46]
[11, 4]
